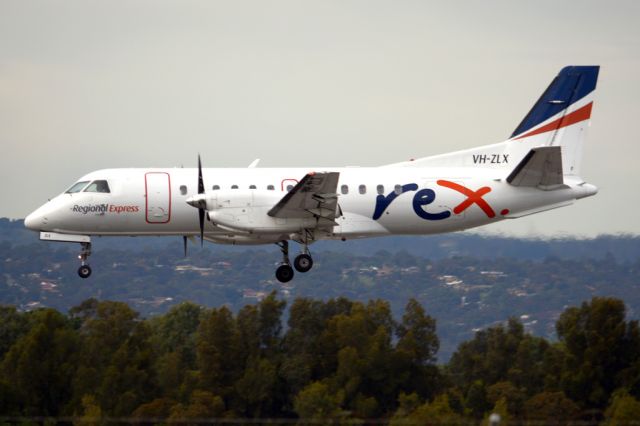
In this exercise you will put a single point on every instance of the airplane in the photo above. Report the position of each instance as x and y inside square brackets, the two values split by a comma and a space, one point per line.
[536, 169]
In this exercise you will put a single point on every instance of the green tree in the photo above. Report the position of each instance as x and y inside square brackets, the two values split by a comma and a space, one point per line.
[13, 325]
[176, 330]
[416, 351]
[257, 388]
[600, 347]
[203, 407]
[91, 413]
[501, 409]
[270, 330]
[438, 412]
[623, 410]
[317, 402]
[551, 408]
[129, 381]
[501, 354]
[417, 334]
[217, 352]
[476, 402]
[510, 394]
[155, 411]
[174, 341]
[115, 358]
[41, 364]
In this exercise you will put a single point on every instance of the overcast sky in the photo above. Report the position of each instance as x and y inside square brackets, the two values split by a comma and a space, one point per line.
[86, 85]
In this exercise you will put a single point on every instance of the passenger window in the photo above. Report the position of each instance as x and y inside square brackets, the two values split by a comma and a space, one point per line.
[215, 187]
[183, 189]
[270, 187]
[289, 188]
[234, 186]
[98, 186]
[397, 189]
[77, 187]
[362, 189]
[344, 189]
[380, 189]
[252, 187]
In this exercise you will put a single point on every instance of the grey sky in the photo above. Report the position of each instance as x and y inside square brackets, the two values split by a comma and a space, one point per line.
[86, 85]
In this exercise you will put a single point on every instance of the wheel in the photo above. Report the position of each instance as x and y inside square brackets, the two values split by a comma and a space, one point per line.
[84, 271]
[284, 273]
[303, 262]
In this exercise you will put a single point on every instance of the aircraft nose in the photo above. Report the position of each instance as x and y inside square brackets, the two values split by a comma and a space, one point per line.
[35, 221]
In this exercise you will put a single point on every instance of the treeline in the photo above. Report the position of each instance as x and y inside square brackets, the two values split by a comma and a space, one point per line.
[336, 360]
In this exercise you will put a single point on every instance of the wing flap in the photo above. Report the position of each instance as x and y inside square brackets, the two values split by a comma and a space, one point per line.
[314, 196]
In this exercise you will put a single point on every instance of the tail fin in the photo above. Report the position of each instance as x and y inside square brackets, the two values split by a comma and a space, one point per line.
[560, 118]
[561, 115]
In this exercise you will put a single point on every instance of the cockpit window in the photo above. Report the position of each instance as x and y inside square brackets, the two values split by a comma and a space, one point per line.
[77, 187]
[98, 186]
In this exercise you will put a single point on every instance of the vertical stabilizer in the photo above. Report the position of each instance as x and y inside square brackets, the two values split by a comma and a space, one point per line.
[561, 116]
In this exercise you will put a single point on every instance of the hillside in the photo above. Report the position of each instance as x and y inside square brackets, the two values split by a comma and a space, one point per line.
[467, 282]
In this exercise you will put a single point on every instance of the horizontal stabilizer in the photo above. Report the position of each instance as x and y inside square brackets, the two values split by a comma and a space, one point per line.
[541, 209]
[541, 167]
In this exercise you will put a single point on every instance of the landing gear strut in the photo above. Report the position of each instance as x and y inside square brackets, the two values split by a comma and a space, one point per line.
[85, 270]
[284, 273]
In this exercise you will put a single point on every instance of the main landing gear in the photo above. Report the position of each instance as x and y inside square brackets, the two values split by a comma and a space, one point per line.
[85, 270]
[302, 262]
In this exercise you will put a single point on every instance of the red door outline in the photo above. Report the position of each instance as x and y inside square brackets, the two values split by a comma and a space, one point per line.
[149, 216]
[285, 182]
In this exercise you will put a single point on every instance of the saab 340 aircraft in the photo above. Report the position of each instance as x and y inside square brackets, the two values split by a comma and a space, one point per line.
[536, 169]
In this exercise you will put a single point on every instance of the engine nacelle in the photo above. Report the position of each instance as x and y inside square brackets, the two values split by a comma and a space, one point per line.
[246, 210]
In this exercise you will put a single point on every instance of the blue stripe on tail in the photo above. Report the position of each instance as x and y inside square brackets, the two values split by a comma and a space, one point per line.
[572, 84]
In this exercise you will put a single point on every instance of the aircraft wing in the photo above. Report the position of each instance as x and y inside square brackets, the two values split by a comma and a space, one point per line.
[314, 196]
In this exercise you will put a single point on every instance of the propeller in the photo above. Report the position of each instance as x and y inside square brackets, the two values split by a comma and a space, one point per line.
[184, 241]
[199, 201]
[200, 209]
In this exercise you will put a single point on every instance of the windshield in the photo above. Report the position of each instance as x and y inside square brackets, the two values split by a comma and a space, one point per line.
[77, 187]
[98, 186]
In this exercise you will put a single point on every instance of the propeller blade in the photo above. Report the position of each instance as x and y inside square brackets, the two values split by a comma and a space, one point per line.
[200, 179]
[184, 240]
[201, 214]
[200, 209]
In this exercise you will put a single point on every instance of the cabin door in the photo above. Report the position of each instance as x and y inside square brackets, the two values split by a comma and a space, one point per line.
[158, 195]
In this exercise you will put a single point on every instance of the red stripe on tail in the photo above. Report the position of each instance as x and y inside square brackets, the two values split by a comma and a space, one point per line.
[576, 116]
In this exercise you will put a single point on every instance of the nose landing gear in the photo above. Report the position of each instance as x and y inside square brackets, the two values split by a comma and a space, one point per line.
[85, 270]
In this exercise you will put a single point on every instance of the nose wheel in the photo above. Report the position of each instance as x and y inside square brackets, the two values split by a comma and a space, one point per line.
[84, 271]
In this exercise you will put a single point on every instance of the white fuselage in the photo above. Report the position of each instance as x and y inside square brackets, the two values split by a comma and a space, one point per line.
[378, 201]
[536, 169]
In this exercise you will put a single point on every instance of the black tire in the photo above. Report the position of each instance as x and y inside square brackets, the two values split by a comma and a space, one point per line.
[284, 273]
[303, 263]
[84, 271]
